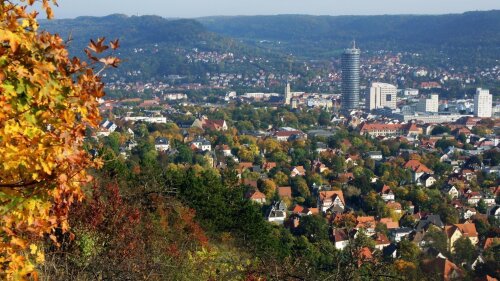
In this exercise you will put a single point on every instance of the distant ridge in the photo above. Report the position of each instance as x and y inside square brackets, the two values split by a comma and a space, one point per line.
[396, 32]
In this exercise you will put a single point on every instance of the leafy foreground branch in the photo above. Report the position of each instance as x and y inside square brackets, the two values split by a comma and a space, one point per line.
[47, 100]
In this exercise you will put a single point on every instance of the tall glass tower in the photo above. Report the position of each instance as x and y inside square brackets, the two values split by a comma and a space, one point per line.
[350, 78]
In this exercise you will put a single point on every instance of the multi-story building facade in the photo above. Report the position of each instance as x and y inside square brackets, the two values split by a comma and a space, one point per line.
[430, 104]
[350, 78]
[382, 95]
[483, 103]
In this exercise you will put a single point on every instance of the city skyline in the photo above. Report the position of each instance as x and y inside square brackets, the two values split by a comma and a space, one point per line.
[195, 8]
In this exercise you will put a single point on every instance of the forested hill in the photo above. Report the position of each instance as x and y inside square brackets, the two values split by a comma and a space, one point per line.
[133, 31]
[301, 33]
[153, 47]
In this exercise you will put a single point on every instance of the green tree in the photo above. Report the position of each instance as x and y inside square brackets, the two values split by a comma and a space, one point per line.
[464, 251]
[435, 237]
[313, 227]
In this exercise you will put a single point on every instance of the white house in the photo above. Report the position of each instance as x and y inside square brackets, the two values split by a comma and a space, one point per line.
[277, 213]
[162, 144]
[427, 180]
[202, 144]
[340, 238]
[399, 233]
[106, 127]
[331, 200]
[453, 192]
[387, 194]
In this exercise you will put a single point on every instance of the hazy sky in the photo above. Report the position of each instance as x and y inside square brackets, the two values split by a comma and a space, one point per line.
[197, 8]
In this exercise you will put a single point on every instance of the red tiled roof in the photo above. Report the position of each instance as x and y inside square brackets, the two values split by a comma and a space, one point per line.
[339, 235]
[285, 191]
[256, 195]
[300, 169]
[386, 189]
[443, 267]
[394, 205]
[491, 241]
[245, 165]
[251, 183]
[365, 128]
[331, 194]
[381, 239]
[389, 223]
[413, 128]
[366, 222]
[467, 229]
[298, 209]
[269, 165]
[213, 124]
[417, 167]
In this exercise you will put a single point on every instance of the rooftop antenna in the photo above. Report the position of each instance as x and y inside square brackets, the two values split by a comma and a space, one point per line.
[354, 43]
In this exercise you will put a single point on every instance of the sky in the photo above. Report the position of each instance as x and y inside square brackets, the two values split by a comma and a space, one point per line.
[200, 8]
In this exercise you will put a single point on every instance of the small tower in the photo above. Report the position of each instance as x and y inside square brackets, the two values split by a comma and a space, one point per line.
[288, 94]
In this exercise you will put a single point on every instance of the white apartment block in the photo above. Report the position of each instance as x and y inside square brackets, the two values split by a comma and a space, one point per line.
[483, 103]
[430, 104]
[382, 95]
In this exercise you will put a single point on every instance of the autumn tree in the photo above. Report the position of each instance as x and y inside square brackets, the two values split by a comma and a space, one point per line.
[47, 101]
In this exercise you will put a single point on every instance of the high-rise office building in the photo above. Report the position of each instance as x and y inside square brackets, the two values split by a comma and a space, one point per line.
[483, 103]
[430, 104]
[350, 78]
[382, 95]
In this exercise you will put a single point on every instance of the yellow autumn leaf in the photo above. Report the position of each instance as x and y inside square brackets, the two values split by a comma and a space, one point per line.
[33, 249]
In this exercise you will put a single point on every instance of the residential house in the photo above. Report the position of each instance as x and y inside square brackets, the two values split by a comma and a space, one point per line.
[202, 144]
[367, 223]
[289, 134]
[427, 180]
[395, 206]
[304, 211]
[285, 192]
[332, 200]
[298, 171]
[467, 212]
[494, 212]
[442, 268]
[399, 233]
[425, 222]
[387, 194]
[375, 155]
[319, 167]
[418, 169]
[106, 128]
[277, 213]
[340, 238]
[226, 150]
[381, 241]
[390, 251]
[456, 231]
[453, 192]
[473, 198]
[268, 166]
[389, 223]
[162, 144]
[215, 125]
[256, 196]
